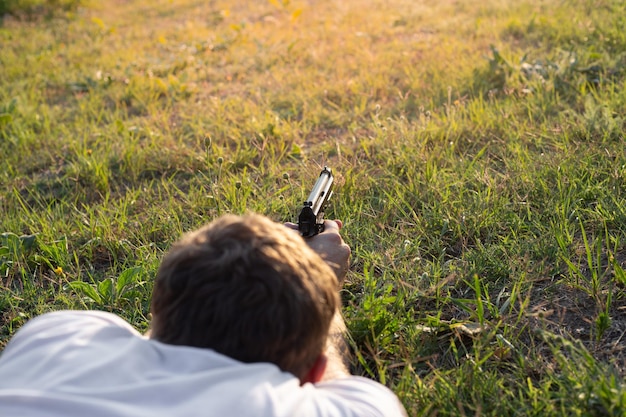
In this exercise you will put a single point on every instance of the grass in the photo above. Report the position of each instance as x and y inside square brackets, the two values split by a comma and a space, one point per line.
[479, 151]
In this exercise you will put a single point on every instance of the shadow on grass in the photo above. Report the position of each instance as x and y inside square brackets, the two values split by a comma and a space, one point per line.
[33, 10]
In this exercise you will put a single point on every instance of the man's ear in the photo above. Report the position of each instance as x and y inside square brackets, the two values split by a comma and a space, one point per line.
[316, 373]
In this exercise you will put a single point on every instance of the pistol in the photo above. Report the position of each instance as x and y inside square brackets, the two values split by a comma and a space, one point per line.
[311, 218]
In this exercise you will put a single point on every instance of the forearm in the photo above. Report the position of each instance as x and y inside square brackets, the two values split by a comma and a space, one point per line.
[337, 350]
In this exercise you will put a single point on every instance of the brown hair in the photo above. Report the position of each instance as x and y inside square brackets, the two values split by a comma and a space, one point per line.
[249, 288]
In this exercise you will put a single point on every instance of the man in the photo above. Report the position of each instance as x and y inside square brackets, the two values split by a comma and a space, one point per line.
[245, 322]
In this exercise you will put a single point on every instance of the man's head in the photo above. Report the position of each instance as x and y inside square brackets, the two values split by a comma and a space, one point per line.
[248, 288]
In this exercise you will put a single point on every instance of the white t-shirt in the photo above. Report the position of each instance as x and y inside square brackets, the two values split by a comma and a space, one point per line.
[94, 364]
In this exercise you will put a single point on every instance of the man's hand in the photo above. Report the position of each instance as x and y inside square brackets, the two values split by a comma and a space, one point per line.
[331, 247]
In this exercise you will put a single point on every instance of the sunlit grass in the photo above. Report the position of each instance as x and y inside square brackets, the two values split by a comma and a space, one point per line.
[479, 153]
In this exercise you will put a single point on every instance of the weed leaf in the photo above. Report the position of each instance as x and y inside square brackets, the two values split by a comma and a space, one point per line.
[126, 279]
[86, 290]
[105, 289]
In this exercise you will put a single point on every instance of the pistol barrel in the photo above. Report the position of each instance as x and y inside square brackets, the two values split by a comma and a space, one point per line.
[311, 219]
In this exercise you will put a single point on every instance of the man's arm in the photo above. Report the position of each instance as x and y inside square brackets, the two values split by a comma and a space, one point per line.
[337, 350]
[330, 246]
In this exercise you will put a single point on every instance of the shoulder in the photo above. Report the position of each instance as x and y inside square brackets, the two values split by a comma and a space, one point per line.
[63, 325]
[357, 396]
[71, 319]
[68, 317]
[63, 346]
[271, 394]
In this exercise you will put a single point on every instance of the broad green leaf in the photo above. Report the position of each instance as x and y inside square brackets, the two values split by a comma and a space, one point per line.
[126, 278]
[105, 288]
[28, 241]
[86, 290]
